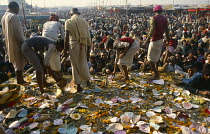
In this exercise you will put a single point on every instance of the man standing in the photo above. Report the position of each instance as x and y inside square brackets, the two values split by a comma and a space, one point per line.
[78, 37]
[14, 37]
[52, 29]
[158, 25]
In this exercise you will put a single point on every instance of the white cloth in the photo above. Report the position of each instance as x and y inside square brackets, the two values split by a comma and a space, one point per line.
[79, 39]
[48, 54]
[80, 69]
[154, 50]
[172, 69]
[51, 29]
[120, 44]
[78, 28]
[14, 37]
[127, 59]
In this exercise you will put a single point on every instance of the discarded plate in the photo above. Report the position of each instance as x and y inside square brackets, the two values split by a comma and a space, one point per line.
[33, 125]
[23, 113]
[97, 90]
[71, 129]
[11, 114]
[88, 91]
[36, 132]
[58, 122]
[62, 130]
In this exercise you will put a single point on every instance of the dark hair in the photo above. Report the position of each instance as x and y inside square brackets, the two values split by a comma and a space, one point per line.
[2, 64]
[200, 49]
[206, 69]
[198, 65]
[109, 43]
[206, 54]
[12, 5]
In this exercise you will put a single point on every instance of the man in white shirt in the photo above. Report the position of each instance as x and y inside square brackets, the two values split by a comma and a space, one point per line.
[52, 29]
[14, 37]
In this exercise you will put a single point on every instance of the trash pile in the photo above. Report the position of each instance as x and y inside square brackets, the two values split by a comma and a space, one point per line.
[109, 106]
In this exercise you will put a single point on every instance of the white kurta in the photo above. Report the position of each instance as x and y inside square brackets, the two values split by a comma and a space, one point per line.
[78, 57]
[51, 29]
[79, 39]
[14, 37]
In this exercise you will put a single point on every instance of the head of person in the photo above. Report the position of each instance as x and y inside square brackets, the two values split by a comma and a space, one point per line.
[103, 55]
[53, 17]
[198, 66]
[109, 44]
[14, 7]
[178, 56]
[157, 9]
[190, 70]
[74, 11]
[171, 59]
[99, 64]
[185, 34]
[184, 42]
[207, 56]
[101, 46]
[200, 50]
[92, 57]
[206, 72]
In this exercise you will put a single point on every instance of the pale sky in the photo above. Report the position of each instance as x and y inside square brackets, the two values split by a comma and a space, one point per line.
[82, 3]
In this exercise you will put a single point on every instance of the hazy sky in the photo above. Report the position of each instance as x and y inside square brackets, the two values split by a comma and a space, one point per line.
[82, 3]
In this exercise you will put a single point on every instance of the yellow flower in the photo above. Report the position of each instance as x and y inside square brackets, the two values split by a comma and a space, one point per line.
[193, 129]
[75, 116]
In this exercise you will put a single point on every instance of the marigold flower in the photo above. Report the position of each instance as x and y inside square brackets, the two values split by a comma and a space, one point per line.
[94, 130]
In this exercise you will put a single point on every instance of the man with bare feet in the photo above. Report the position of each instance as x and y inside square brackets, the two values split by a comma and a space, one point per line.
[158, 25]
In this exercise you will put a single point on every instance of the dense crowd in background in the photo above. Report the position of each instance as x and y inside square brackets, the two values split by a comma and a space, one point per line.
[185, 53]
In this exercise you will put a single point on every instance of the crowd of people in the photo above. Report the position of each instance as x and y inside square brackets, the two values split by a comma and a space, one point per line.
[101, 43]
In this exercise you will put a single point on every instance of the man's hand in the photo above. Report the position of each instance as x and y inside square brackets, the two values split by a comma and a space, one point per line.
[113, 73]
[121, 55]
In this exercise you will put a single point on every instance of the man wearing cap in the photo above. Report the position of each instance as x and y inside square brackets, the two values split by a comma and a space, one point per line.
[158, 25]
[52, 29]
[14, 37]
[78, 37]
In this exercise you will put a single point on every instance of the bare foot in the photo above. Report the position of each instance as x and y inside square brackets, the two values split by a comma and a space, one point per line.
[203, 92]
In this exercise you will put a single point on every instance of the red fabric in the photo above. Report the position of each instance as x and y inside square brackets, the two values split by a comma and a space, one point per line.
[123, 32]
[172, 43]
[53, 18]
[104, 40]
[160, 25]
[127, 39]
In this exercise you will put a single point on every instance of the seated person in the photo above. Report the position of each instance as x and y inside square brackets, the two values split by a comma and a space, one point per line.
[169, 64]
[201, 84]
[4, 75]
[108, 69]
[190, 75]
